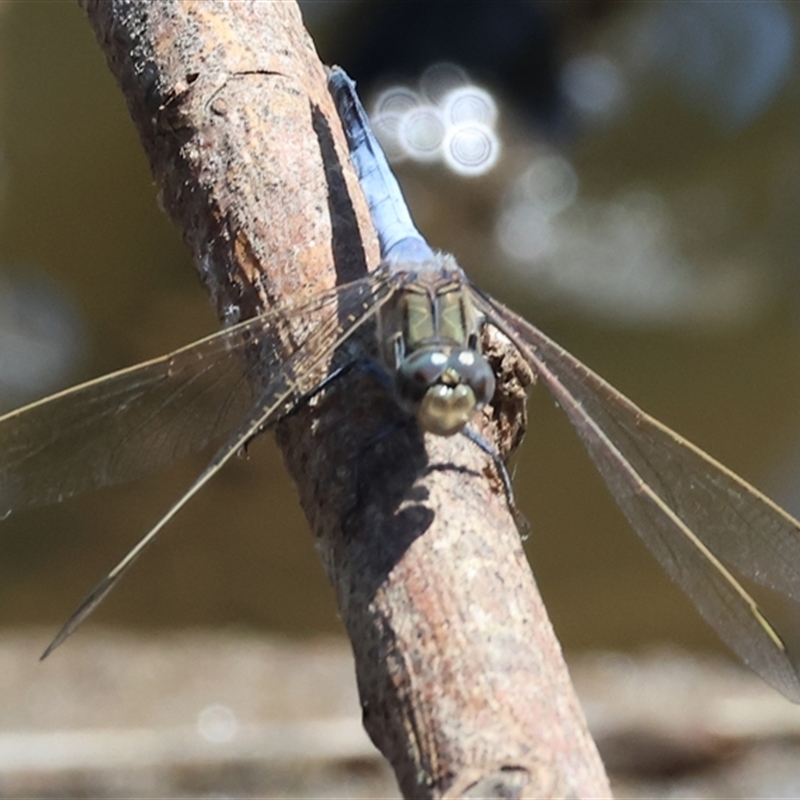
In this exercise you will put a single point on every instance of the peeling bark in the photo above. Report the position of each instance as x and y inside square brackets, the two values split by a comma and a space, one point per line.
[462, 681]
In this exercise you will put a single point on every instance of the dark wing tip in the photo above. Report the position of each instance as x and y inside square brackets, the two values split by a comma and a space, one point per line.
[84, 608]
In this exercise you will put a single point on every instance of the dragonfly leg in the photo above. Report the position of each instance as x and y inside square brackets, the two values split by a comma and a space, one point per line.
[363, 364]
[523, 526]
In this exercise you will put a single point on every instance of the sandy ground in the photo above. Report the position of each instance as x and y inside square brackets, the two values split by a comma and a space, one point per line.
[233, 714]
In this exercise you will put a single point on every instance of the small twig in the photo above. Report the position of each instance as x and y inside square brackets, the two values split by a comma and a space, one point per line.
[462, 682]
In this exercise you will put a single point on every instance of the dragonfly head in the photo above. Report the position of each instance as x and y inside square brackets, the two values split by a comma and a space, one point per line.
[443, 385]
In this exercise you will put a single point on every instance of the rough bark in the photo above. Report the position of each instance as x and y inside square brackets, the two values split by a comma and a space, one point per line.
[462, 681]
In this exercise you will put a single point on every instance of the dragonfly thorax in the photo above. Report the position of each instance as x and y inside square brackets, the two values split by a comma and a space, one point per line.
[442, 386]
[429, 335]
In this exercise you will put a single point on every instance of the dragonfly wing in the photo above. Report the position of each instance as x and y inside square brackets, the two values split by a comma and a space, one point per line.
[122, 425]
[700, 520]
[283, 387]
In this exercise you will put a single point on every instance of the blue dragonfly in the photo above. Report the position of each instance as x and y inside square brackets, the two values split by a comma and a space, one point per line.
[712, 532]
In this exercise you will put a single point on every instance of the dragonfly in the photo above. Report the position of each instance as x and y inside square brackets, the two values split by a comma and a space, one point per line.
[712, 532]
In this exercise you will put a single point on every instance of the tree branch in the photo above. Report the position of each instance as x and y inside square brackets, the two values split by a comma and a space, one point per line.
[462, 682]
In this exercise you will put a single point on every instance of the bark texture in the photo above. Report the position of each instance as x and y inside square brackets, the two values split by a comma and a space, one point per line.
[462, 681]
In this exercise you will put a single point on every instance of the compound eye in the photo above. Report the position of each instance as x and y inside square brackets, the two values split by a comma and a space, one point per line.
[443, 387]
[474, 370]
[416, 375]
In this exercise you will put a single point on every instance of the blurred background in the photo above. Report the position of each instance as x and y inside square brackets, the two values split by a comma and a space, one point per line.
[626, 175]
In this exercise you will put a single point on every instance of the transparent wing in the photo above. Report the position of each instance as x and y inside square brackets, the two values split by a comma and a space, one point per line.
[122, 425]
[699, 519]
[359, 303]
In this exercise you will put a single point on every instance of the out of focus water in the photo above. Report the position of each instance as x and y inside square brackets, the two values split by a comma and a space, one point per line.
[643, 210]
